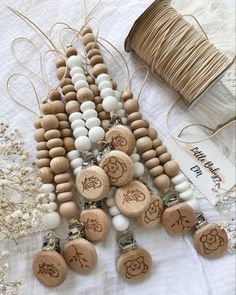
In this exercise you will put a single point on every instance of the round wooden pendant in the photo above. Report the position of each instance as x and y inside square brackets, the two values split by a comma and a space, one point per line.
[178, 219]
[122, 139]
[50, 268]
[119, 168]
[211, 240]
[93, 183]
[80, 255]
[151, 217]
[96, 224]
[132, 199]
[134, 265]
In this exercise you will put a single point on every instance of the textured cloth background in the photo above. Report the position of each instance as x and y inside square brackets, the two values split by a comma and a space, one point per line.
[177, 268]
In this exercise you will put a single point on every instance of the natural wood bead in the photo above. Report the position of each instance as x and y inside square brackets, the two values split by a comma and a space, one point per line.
[134, 265]
[140, 132]
[88, 38]
[84, 94]
[114, 84]
[143, 144]
[152, 163]
[57, 152]
[161, 150]
[92, 45]
[165, 158]
[156, 171]
[94, 51]
[86, 30]
[103, 115]
[54, 142]
[47, 108]
[62, 72]
[156, 143]
[42, 154]
[105, 124]
[96, 224]
[138, 124]
[95, 90]
[96, 59]
[171, 168]
[99, 69]
[90, 80]
[63, 125]
[62, 117]
[39, 135]
[59, 106]
[148, 155]
[178, 219]
[99, 108]
[69, 144]
[97, 100]
[64, 187]
[53, 133]
[59, 165]
[60, 62]
[66, 133]
[68, 88]
[37, 123]
[45, 162]
[69, 209]
[66, 81]
[134, 117]
[70, 96]
[131, 106]
[55, 95]
[41, 146]
[211, 241]
[63, 177]
[71, 51]
[152, 133]
[49, 122]
[65, 197]
[162, 182]
[126, 95]
[46, 174]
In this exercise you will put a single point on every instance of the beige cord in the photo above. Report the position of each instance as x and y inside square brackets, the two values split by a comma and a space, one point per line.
[144, 81]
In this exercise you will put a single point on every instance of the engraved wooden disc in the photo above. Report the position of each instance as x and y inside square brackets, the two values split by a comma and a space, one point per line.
[151, 217]
[119, 168]
[134, 265]
[211, 240]
[80, 255]
[122, 139]
[50, 268]
[178, 219]
[93, 183]
[96, 224]
[132, 199]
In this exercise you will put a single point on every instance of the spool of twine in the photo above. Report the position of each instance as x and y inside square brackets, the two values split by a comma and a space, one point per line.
[175, 51]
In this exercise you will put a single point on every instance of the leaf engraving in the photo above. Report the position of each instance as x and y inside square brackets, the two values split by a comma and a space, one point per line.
[91, 182]
[133, 195]
[182, 221]
[78, 257]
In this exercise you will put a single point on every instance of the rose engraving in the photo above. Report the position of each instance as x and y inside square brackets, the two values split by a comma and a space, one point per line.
[119, 141]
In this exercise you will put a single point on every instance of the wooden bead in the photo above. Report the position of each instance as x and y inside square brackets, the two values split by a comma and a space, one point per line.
[134, 117]
[66, 81]
[50, 268]
[85, 251]
[94, 51]
[210, 241]
[140, 132]
[171, 168]
[39, 135]
[132, 199]
[54, 142]
[99, 69]
[62, 72]
[121, 139]
[65, 197]
[97, 100]
[63, 125]
[144, 144]
[96, 224]
[156, 143]
[70, 96]
[64, 187]
[114, 84]
[53, 133]
[42, 154]
[178, 219]
[88, 38]
[49, 122]
[90, 46]
[95, 90]
[57, 152]
[69, 144]
[59, 165]
[71, 51]
[66, 133]
[47, 108]
[68, 88]
[161, 150]
[126, 95]
[41, 146]
[134, 265]
[37, 123]
[151, 217]
[45, 174]
[45, 162]
[131, 106]
[148, 155]
[103, 116]
[99, 108]
[60, 62]
[69, 210]
[62, 117]
[86, 30]
[156, 171]
[55, 95]
[105, 124]
[152, 133]
[84, 94]
[162, 182]
[96, 59]
[93, 183]
[59, 106]
[90, 80]
[165, 158]
[138, 124]
[152, 163]
[63, 177]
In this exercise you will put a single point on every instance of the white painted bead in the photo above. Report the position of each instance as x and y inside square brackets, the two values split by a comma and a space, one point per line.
[87, 105]
[76, 70]
[120, 222]
[52, 206]
[92, 122]
[187, 195]
[182, 187]
[74, 61]
[103, 77]
[89, 114]
[178, 179]
[73, 155]
[83, 144]
[110, 202]
[51, 220]
[107, 92]
[75, 116]
[77, 170]
[124, 121]
[76, 163]
[80, 131]
[77, 124]
[120, 105]
[117, 95]
[114, 211]
[78, 77]
[138, 169]
[121, 113]
[110, 104]
[81, 84]
[104, 85]
[135, 157]
[96, 134]
[194, 204]
[52, 197]
[47, 188]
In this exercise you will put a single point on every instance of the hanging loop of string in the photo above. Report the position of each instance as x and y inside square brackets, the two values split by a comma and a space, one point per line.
[144, 81]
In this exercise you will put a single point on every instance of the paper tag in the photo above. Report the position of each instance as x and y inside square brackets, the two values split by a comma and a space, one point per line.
[205, 165]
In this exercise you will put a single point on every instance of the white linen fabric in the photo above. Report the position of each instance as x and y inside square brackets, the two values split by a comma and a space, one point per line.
[177, 268]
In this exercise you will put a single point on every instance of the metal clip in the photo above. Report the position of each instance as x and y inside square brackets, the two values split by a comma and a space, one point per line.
[200, 221]
[76, 230]
[92, 205]
[126, 241]
[115, 120]
[51, 242]
[174, 200]
[89, 160]
[103, 148]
